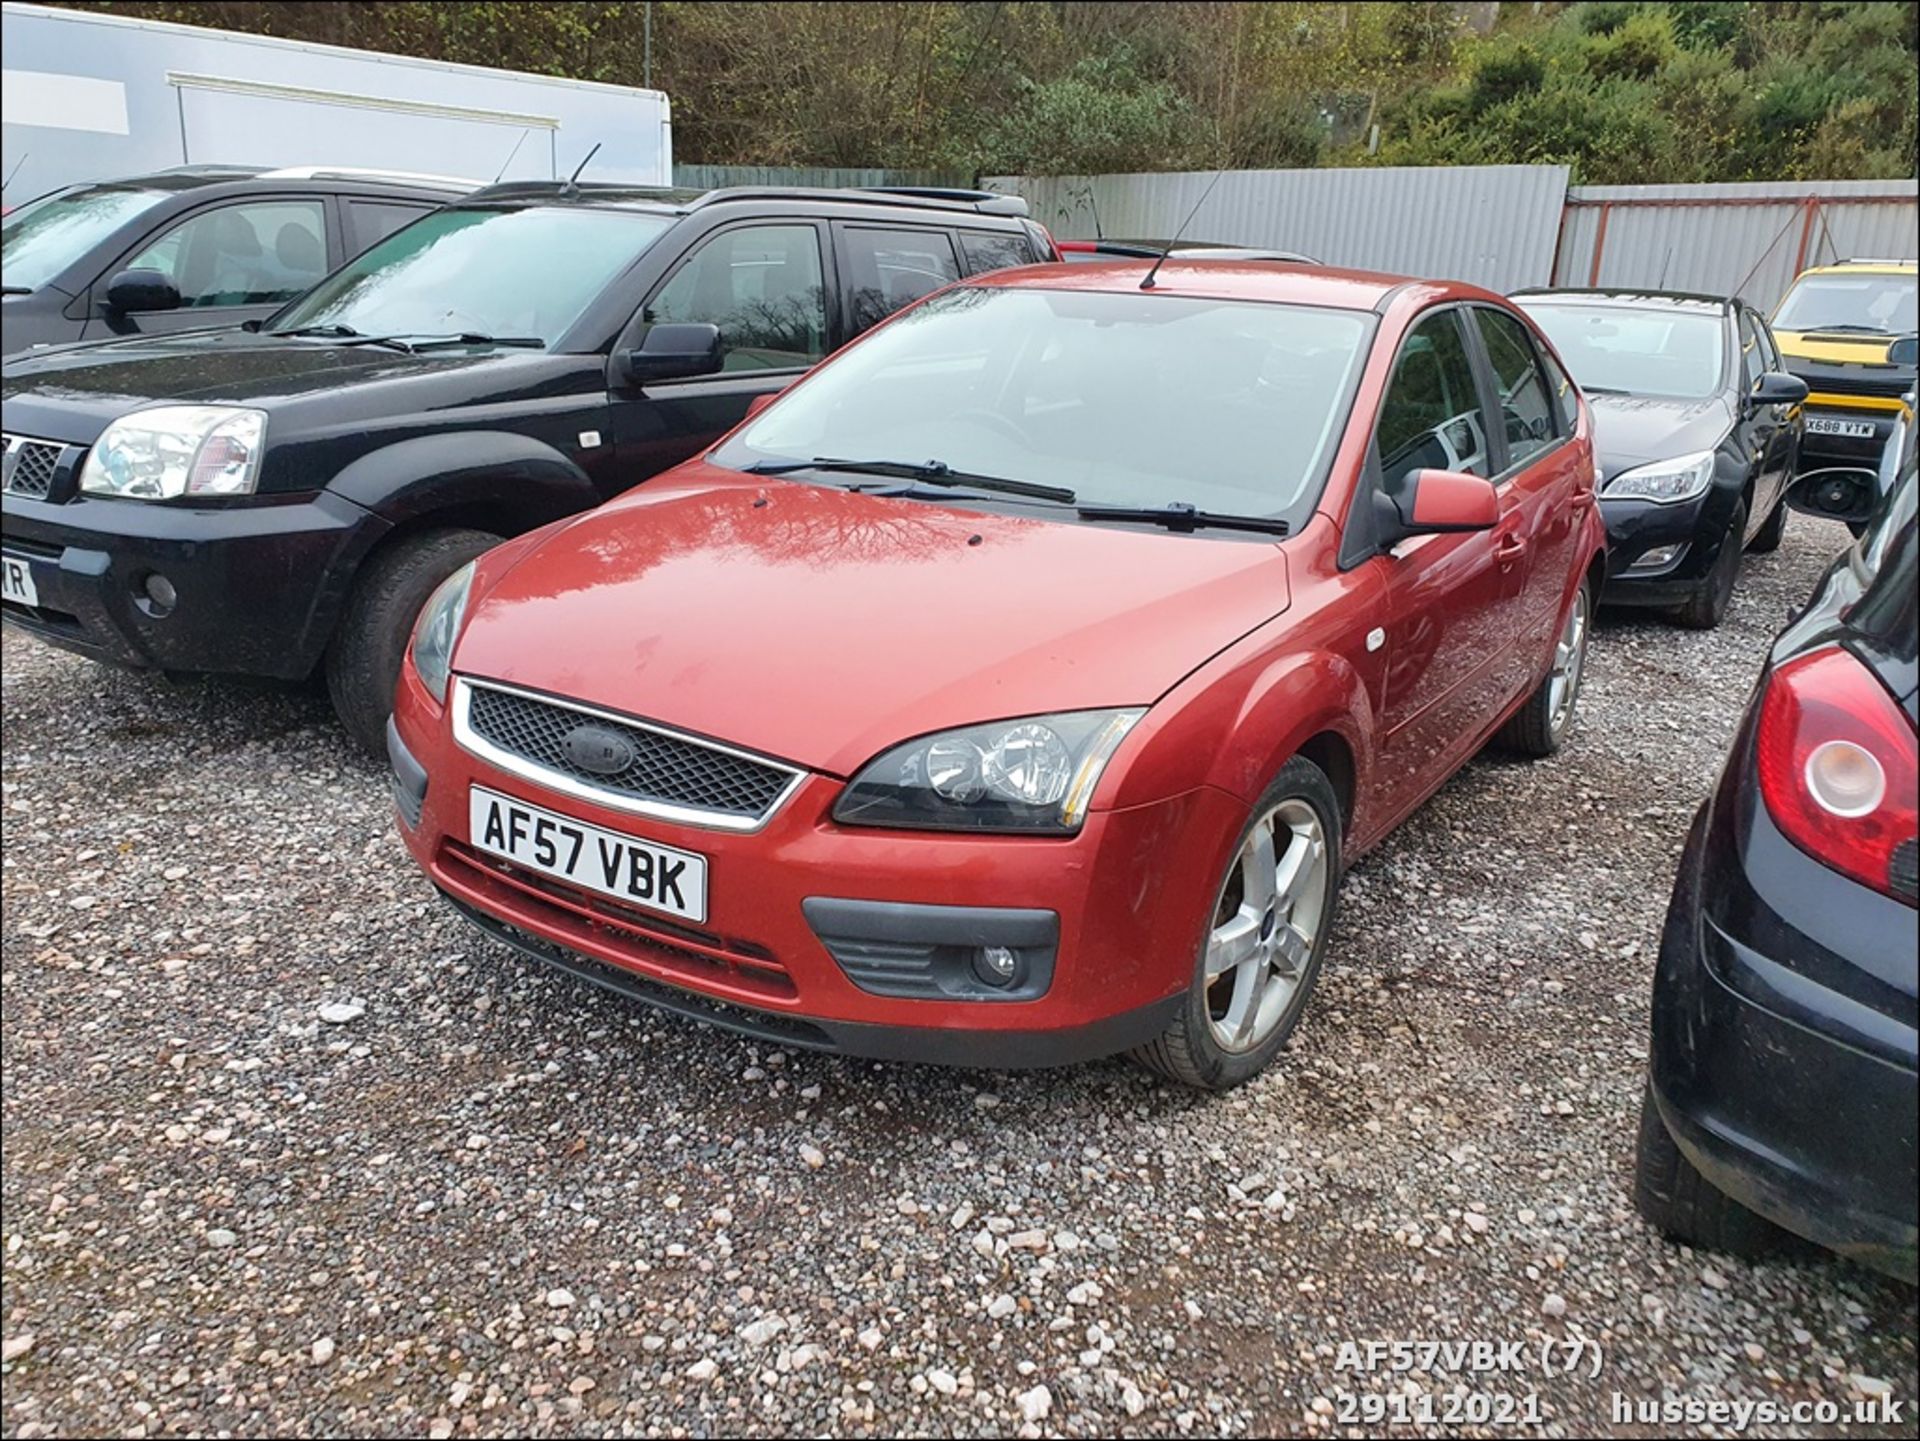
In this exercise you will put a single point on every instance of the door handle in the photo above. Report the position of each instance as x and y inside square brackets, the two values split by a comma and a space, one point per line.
[1509, 548]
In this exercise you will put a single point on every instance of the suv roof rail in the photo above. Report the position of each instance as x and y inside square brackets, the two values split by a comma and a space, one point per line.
[1875, 260]
[987, 202]
[356, 172]
[980, 202]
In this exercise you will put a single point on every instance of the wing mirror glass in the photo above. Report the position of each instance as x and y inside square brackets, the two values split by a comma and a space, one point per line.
[1837, 493]
[134, 291]
[1437, 502]
[1904, 351]
[1776, 387]
[674, 352]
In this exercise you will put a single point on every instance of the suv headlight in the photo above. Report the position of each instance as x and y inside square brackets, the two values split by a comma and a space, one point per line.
[438, 627]
[1664, 481]
[1037, 773]
[176, 450]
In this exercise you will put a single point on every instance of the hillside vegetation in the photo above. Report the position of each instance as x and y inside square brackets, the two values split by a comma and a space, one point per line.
[1622, 92]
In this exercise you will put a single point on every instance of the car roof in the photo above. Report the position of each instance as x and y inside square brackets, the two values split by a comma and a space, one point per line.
[185, 178]
[681, 201]
[1633, 299]
[1273, 281]
[1865, 267]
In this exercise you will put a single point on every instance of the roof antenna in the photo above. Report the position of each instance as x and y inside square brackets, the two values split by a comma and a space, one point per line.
[16, 169]
[573, 180]
[1663, 267]
[1147, 284]
[511, 153]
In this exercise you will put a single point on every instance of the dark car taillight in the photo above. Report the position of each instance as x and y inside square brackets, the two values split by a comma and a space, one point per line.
[1839, 768]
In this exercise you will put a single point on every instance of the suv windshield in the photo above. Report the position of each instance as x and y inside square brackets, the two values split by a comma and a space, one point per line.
[1675, 353]
[44, 236]
[1125, 398]
[520, 273]
[1883, 304]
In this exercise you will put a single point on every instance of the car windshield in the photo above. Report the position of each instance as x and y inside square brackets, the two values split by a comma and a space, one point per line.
[1881, 304]
[1126, 398]
[44, 236]
[526, 273]
[1634, 351]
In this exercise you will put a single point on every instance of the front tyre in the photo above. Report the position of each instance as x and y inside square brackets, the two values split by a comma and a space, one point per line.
[1709, 604]
[1540, 726]
[1767, 539]
[1268, 931]
[363, 663]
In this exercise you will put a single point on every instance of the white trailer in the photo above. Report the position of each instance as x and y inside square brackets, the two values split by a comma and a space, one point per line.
[87, 96]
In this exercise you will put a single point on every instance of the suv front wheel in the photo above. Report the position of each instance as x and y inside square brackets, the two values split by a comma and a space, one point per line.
[363, 663]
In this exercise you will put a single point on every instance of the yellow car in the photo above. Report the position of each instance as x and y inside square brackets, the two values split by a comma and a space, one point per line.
[1836, 329]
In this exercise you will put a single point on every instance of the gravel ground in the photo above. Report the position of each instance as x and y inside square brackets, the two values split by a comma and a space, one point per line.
[491, 1202]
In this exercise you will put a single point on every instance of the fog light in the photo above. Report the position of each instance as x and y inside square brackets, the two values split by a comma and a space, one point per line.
[1659, 558]
[154, 595]
[996, 965]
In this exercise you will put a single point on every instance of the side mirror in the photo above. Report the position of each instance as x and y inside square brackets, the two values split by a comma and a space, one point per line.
[1839, 493]
[1776, 387]
[134, 291]
[674, 352]
[761, 402]
[1437, 502]
[1904, 351]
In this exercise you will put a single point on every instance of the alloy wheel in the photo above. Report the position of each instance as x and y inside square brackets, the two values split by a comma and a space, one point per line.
[1569, 662]
[1269, 917]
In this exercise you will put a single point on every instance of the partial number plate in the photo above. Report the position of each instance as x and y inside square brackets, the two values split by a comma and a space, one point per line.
[16, 581]
[1826, 425]
[658, 878]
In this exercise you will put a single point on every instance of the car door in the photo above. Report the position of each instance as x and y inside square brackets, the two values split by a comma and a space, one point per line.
[884, 268]
[1768, 430]
[232, 262]
[1444, 629]
[767, 286]
[1543, 484]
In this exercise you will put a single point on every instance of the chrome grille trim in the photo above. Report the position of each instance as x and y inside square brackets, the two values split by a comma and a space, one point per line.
[29, 465]
[470, 740]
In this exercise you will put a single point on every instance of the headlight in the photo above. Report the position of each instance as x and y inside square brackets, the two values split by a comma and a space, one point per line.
[1665, 481]
[435, 631]
[177, 450]
[1033, 774]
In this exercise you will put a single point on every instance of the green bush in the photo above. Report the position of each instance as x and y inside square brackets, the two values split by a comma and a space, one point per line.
[1503, 75]
[1637, 49]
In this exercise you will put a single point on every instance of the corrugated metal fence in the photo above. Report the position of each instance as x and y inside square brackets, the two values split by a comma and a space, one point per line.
[1491, 224]
[713, 177]
[1503, 226]
[1751, 238]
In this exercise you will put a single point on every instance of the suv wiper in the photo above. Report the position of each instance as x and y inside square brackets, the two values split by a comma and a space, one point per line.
[932, 472]
[1605, 390]
[1846, 330]
[16, 290]
[1183, 517]
[472, 337]
[345, 334]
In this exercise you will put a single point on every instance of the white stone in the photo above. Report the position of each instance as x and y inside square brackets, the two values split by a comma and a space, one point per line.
[1035, 1404]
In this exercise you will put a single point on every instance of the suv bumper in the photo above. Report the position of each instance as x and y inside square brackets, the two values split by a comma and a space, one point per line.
[243, 579]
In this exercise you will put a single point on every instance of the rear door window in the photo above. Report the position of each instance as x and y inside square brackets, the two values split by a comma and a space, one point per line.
[762, 285]
[1431, 418]
[886, 270]
[252, 253]
[372, 221]
[994, 250]
[1532, 421]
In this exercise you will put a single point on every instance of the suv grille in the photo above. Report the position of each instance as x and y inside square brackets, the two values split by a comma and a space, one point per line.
[665, 771]
[28, 466]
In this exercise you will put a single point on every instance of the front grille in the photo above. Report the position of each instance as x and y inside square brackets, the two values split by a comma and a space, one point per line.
[665, 769]
[616, 932]
[28, 465]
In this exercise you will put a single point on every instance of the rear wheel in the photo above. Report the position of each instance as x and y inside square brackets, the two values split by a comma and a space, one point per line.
[1540, 726]
[1709, 604]
[1268, 931]
[363, 663]
[1683, 1204]
[1769, 535]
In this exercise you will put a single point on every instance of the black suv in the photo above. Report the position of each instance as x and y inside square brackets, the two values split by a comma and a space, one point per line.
[283, 497]
[191, 248]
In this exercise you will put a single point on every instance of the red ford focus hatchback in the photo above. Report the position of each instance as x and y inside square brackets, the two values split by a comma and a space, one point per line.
[1014, 689]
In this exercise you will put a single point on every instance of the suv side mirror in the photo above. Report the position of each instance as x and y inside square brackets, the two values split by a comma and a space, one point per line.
[1436, 502]
[674, 352]
[134, 291]
[1904, 351]
[1776, 387]
[1837, 493]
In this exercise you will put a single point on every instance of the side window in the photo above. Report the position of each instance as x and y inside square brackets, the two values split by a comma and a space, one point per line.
[1566, 399]
[994, 250]
[1431, 418]
[250, 254]
[375, 220]
[1528, 415]
[762, 285]
[888, 269]
[1753, 353]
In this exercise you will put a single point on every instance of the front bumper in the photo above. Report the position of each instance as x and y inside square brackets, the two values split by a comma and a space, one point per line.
[1783, 1055]
[1125, 904]
[257, 585]
[1819, 450]
[1635, 528]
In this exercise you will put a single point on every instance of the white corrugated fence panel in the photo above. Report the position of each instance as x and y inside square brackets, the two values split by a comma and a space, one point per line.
[1495, 225]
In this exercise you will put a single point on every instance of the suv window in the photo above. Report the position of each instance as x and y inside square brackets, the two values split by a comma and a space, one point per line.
[257, 253]
[889, 269]
[1753, 353]
[374, 220]
[1533, 423]
[761, 284]
[994, 250]
[1431, 418]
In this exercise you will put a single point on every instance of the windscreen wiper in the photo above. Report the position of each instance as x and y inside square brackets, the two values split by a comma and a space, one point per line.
[345, 334]
[16, 290]
[473, 337]
[1183, 517]
[1605, 390]
[932, 472]
[1846, 330]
